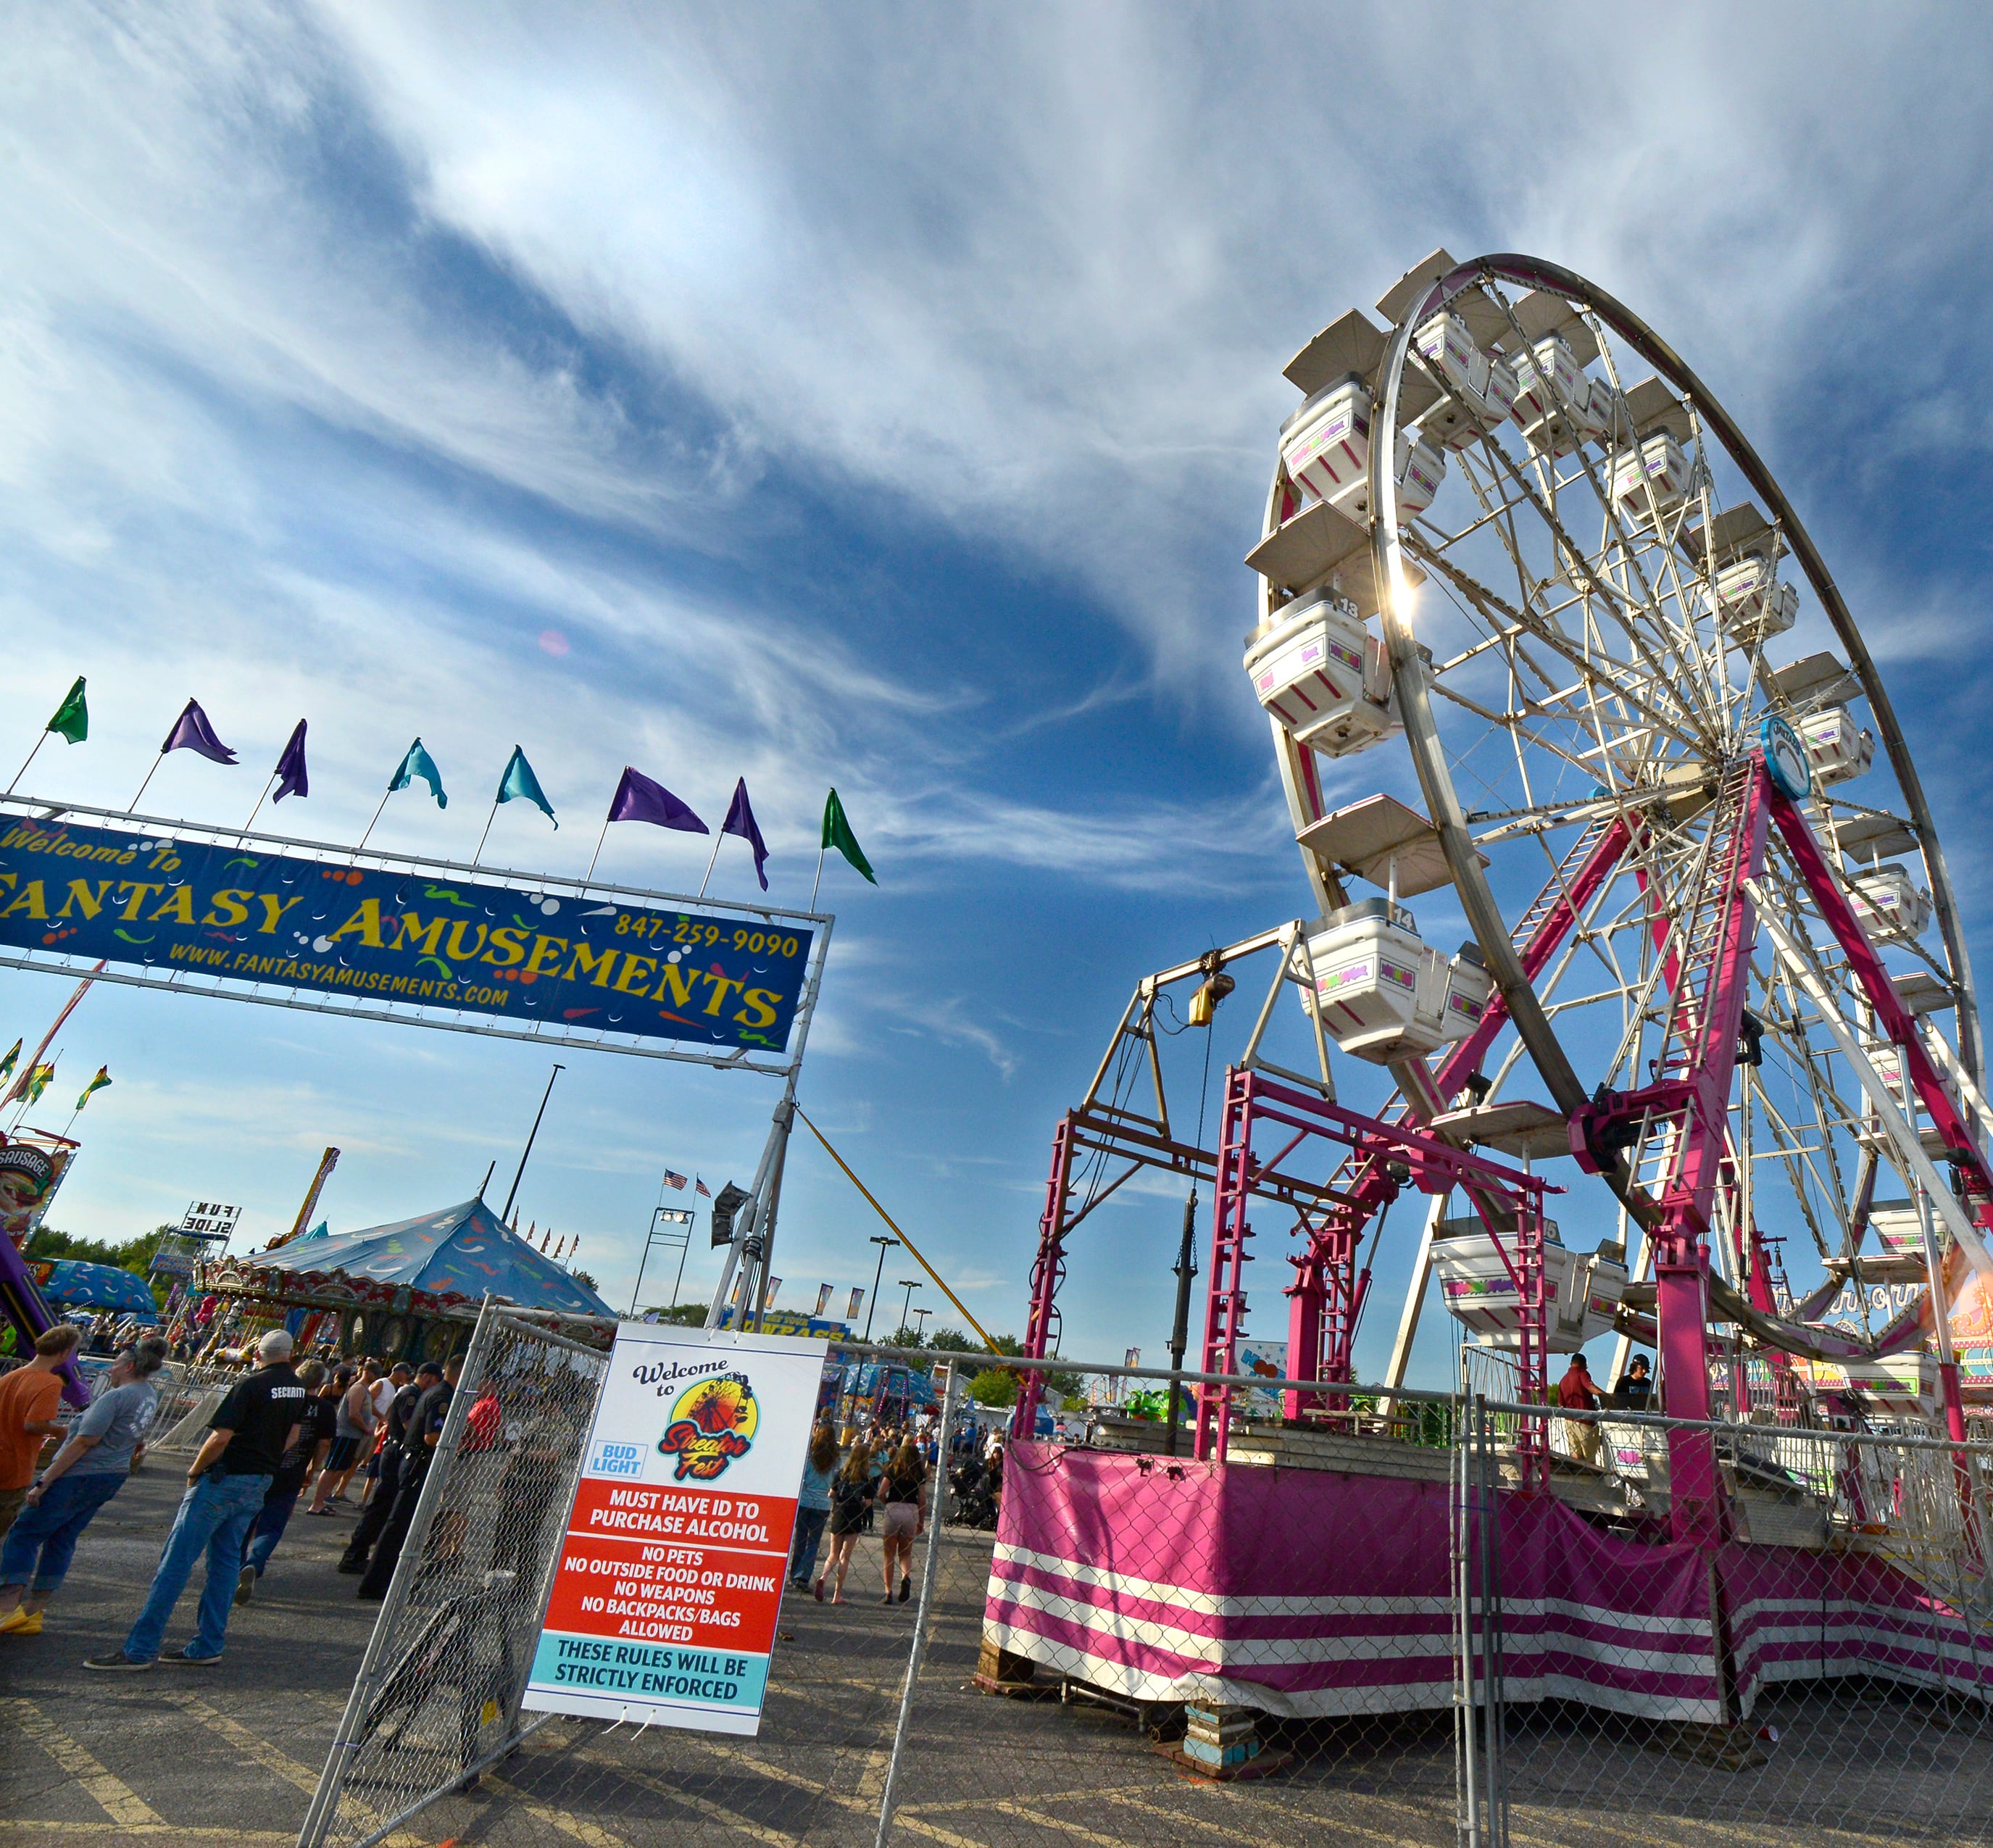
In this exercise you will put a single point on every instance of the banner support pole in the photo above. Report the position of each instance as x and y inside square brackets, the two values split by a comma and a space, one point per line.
[41, 739]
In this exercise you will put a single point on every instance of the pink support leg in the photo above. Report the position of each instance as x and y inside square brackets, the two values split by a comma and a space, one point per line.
[1046, 1274]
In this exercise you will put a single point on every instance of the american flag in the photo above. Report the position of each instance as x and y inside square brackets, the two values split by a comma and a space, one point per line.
[677, 1181]
[700, 1187]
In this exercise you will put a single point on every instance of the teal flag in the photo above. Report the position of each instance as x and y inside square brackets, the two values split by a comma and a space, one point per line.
[418, 763]
[519, 780]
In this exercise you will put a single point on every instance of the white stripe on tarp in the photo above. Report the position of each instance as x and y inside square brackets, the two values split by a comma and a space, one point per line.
[1211, 1603]
[1907, 1674]
[1287, 1651]
[1866, 1609]
[1841, 1636]
[1434, 1692]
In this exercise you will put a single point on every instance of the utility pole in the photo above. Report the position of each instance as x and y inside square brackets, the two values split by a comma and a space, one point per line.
[871, 1308]
[1180, 1327]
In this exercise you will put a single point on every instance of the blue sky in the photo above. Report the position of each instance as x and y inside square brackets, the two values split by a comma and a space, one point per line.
[883, 397]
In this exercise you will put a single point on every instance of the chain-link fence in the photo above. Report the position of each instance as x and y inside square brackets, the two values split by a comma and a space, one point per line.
[473, 1533]
[1367, 1623]
[187, 1394]
[1819, 1668]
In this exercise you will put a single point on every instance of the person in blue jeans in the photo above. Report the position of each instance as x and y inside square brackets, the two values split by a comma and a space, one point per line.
[314, 1442]
[813, 1504]
[94, 1464]
[246, 1438]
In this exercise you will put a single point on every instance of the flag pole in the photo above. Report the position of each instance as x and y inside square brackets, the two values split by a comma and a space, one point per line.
[35, 1058]
[156, 762]
[383, 803]
[260, 800]
[597, 854]
[26, 1101]
[488, 820]
[819, 879]
[23, 770]
[710, 858]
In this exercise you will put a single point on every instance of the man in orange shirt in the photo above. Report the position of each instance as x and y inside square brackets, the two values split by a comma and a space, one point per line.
[1575, 1393]
[29, 1397]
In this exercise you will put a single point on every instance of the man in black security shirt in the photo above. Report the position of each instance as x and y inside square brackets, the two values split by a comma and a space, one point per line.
[420, 1432]
[316, 1423]
[381, 1510]
[246, 1440]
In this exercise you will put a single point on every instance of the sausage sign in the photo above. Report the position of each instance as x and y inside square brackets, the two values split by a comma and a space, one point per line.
[664, 1605]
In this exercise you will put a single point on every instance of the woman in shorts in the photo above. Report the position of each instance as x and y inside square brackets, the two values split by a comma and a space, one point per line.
[902, 1496]
[352, 1436]
[850, 1501]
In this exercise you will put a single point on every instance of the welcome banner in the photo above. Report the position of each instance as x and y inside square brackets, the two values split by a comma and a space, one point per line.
[404, 939]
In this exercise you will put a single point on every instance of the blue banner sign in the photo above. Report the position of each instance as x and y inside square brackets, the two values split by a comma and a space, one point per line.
[399, 939]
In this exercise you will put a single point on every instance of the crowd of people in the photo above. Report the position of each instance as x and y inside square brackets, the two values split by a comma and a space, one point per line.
[336, 1438]
[874, 1480]
[286, 1427]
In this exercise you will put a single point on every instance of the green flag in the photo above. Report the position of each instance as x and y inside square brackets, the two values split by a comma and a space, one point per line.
[72, 719]
[519, 780]
[837, 833]
[96, 1085]
[38, 1082]
[8, 1063]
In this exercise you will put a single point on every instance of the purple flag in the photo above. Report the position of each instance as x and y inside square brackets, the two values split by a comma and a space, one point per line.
[192, 732]
[741, 821]
[638, 799]
[291, 778]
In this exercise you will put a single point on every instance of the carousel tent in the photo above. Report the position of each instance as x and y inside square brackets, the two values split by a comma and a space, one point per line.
[462, 1253]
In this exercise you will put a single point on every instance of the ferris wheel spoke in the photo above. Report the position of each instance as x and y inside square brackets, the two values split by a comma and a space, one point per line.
[1497, 613]
[1623, 606]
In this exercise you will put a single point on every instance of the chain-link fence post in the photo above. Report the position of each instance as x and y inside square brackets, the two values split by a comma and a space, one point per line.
[563, 1494]
[1494, 1694]
[317, 1820]
[938, 1525]
[1465, 1487]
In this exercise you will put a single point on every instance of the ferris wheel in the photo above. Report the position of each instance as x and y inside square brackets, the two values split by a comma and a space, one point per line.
[1520, 569]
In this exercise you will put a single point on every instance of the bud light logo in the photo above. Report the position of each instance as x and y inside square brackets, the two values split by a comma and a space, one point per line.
[616, 1459]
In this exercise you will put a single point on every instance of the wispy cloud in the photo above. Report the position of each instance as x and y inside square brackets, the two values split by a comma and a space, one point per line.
[868, 396]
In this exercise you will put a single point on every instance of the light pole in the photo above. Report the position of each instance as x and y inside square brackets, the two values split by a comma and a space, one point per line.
[883, 1243]
[921, 1335]
[681, 1239]
[906, 1308]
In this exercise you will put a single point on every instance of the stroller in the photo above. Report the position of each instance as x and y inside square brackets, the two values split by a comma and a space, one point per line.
[976, 1488]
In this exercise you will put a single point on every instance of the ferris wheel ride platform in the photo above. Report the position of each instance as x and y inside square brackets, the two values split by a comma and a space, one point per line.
[1312, 1591]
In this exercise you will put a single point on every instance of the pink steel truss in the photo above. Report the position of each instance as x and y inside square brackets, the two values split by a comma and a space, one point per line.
[1896, 1022]
[1325, 1299]
[1683, 1116]
[1333, 1224]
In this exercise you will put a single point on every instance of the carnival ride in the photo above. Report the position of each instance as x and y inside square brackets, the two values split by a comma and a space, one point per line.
[404, 1291]
[1713, 936]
